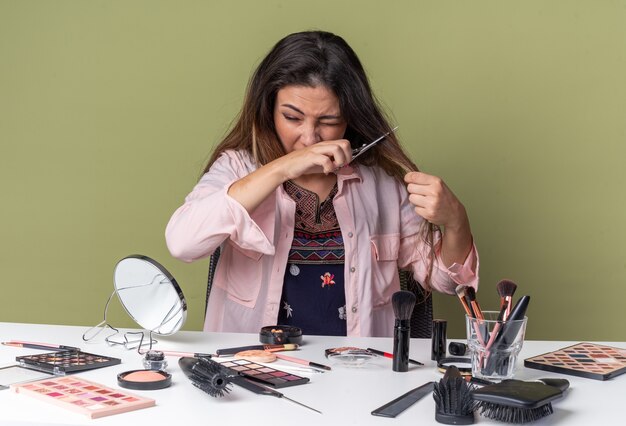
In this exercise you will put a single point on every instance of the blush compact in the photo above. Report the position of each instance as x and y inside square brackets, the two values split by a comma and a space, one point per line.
[144, 379]
[280, 334]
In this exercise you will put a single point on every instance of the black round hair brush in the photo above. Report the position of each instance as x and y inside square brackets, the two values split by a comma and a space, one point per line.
[403, 303]
[517, 401]
[453, 401]
[206, 374]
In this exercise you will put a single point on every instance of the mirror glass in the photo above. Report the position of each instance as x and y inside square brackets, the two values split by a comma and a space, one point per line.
[150, 295]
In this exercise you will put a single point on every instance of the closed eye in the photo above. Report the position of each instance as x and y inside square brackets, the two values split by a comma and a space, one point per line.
[290, 117]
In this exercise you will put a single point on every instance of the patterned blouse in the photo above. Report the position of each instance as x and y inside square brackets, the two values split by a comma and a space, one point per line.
[313, 296]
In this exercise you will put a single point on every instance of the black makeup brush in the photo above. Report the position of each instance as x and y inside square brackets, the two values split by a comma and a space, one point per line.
[506, 289]
[471, 295]
[516, 401]
[509, 330]
[454, 404]
[506, 334]
[403, 303]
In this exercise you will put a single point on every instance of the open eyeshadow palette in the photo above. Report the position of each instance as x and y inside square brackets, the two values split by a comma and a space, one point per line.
[80, 395]
[588, 360]
[61, 363]
[265, 375]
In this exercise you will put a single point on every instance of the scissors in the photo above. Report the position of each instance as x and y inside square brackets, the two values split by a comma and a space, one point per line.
[360, 150]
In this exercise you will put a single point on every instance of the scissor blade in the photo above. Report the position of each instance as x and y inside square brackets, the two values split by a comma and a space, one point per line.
[364, 148]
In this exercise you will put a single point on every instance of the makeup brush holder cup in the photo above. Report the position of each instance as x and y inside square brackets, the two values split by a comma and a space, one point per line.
[494, 345]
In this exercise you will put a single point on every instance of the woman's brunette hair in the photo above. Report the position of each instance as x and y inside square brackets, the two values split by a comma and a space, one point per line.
[316, 58]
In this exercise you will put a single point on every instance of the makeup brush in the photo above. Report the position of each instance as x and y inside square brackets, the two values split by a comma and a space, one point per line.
[402, 302]
[454, 404]
[460, 292]
[506, 289]
[270, 348]
[470, 292]
[506, 334]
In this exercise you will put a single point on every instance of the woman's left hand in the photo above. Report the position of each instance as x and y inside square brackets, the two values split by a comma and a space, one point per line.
[435, 202]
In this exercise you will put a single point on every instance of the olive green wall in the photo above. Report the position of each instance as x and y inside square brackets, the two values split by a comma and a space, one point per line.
[108, 110]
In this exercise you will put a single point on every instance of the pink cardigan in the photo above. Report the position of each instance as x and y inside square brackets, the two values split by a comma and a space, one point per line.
[380, 230]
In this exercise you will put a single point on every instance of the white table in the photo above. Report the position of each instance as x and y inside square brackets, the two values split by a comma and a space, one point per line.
[346, 396]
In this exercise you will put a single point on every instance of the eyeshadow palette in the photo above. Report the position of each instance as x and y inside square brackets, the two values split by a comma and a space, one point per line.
[83, 396]
[589, 360]
[265, 375]
[61, 363]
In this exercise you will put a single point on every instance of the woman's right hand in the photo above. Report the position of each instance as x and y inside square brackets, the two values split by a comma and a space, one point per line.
[320, 158]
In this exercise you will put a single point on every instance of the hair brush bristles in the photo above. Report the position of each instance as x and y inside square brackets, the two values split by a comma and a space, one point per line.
[403, 302]
[206, 375]
[454, 404]
[513, 414]
[516, 401]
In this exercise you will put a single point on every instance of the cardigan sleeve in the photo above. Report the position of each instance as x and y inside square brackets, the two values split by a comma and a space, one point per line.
[209, 216]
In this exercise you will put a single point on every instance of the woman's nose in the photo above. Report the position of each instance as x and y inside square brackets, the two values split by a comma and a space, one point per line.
[310, 135]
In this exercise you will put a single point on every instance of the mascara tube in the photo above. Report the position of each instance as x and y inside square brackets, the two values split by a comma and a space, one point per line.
[401, 340]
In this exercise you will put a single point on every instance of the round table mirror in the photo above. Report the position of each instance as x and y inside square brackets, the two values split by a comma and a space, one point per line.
[150, 295]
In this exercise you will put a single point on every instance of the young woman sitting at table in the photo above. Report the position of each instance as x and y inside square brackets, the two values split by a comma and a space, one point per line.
[308, 237]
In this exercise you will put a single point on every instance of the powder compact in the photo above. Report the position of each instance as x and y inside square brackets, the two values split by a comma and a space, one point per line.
[463, 364]
[280, 334]
[144, 379]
